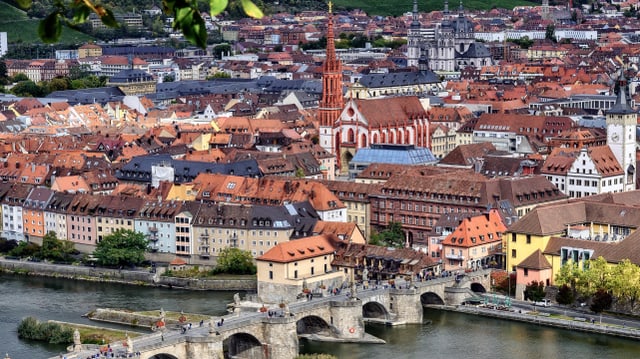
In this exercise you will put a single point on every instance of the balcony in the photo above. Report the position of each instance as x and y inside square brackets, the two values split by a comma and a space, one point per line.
[153, 229]
[153, 237]
[455, 257]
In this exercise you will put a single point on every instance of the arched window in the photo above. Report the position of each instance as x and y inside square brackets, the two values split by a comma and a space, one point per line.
[351, 136]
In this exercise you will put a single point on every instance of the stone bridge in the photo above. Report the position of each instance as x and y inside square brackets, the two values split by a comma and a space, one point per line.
[256, 335]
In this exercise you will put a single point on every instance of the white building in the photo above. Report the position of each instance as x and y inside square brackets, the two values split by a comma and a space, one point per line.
[3, 44]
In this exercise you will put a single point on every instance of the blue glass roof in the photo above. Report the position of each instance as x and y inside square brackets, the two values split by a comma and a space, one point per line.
[394, 154]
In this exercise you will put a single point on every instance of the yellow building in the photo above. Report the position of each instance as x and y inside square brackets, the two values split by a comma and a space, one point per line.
[603, 225]
[443, 140]
[133, 82]
[355, 196]
[289, 269]
[114, 213]
[89, 50]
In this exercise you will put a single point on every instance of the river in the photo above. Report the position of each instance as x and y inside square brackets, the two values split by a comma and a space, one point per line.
[444, 334]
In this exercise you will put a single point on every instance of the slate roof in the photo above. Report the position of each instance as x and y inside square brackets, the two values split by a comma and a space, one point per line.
[130, 76]
[399, 79]
[475, 50]
[139, 168]
[87, 96]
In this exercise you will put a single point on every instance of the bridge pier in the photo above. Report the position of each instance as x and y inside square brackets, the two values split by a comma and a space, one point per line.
[281, 339]
[346, 317]
[406, 305]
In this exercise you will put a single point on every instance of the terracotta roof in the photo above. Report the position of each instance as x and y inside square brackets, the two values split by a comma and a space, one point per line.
[535, 261]
[382, 111]
[478, 230]
[178, 262]
[299, 249]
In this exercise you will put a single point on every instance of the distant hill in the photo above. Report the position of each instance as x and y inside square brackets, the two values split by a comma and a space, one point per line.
[398, 7]
[20, 28]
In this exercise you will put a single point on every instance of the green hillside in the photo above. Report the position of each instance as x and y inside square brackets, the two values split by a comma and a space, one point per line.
[20, 28]
[398, 7]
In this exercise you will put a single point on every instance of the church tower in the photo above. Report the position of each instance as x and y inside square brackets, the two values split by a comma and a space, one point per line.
[332, 101]
[621, 134]
[413, 38]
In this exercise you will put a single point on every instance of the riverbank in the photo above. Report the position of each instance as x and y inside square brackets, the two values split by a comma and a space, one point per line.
[123, 276]
[578, 323]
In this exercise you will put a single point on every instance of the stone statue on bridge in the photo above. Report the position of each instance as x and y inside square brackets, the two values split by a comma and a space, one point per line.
[77, 343]
[129, 344]
[212, 327]
[236, 299]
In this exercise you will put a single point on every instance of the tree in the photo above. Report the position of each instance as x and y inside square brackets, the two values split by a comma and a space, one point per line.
[392, 236]
[550, 33]
[595, 277]
[123, 247]
[221, 50]
[565, 295]
[28, 89]
[55, 249]
[19, 77]
[534, 291]
[624, 282]
[25, 249]
[570, 275]
[187, 16]
[4, 78]
[233, 260]
[601, 301]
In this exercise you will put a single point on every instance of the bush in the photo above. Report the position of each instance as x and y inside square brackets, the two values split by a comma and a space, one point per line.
[53, 333]
[565, 295]
[316, 356]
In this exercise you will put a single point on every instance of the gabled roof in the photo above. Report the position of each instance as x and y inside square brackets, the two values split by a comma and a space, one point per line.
[476, 231]
[299, 249]
[535, 261]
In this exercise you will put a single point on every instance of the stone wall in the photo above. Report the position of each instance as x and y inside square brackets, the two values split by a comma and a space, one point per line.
[136, 277]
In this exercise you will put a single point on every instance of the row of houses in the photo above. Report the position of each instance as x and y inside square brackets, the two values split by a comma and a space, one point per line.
[188, 228]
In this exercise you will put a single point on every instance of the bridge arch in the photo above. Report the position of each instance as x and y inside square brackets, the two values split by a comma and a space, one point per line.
[243, 345]
[375, 310]
[478, 287]
[312, 324]
[163, 356]
[431, 298]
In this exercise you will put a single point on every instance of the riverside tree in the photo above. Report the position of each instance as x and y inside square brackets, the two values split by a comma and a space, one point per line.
[55, 249]
[123, 247]
[235, 261]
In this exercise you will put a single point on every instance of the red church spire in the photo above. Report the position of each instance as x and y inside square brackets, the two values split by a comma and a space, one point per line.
[332, 100]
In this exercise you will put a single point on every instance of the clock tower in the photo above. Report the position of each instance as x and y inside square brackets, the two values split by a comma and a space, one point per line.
[621, 134]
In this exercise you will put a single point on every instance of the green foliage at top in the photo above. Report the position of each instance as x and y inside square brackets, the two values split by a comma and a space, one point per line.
[121, 248]
[392, 236]
[186, 14]
[21, 28]
[399, 7]
[54, 333]
[235, 261]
